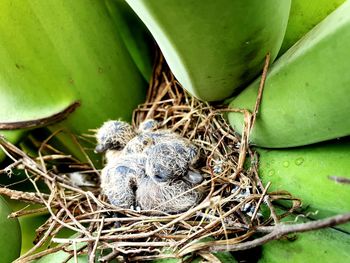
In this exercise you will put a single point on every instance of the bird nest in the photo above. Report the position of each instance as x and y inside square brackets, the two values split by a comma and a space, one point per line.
[236, 213]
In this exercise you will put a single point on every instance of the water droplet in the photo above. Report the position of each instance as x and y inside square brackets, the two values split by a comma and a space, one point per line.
[286, 164]
[271, 172]
[299, 161]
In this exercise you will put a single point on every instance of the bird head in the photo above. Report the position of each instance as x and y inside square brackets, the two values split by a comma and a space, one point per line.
[113, 135]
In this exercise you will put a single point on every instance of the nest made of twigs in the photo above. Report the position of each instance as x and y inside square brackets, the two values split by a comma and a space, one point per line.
[230, 212]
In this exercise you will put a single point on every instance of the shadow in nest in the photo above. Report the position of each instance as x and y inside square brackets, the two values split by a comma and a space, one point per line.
[235, 210]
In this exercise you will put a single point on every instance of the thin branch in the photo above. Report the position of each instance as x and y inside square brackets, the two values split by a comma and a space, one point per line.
[92, 255]
[24, 196]
[279, 231]
[260, 91]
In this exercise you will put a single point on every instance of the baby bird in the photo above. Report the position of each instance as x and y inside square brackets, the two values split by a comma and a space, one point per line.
[148, 125]
[112, 137]
[120, 179]
[148, 168]
[168, 197]
[170, 159]
[150, 140]
[126, 185]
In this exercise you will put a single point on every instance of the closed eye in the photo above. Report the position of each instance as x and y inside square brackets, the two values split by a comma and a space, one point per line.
[159, 178]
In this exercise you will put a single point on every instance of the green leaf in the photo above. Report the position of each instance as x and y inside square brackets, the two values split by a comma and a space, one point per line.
[324, 245]
[215, 47]
[56, 53]
[134, 33]
[305, 173]
[304, 15]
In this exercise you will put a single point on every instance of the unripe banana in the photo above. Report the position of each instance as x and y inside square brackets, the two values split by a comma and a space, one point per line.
[55, 53]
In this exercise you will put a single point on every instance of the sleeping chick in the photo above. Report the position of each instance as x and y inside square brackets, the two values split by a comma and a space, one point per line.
[149, 137]
[169, 159]
[169, 197]
[148, 125]
[126, 185]
[120, 179]
[149, 168]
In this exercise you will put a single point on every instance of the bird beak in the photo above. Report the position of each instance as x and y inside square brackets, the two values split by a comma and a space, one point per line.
[194, 177]
[100, 148]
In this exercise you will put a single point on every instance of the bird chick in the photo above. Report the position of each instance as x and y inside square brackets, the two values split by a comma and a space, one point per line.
[148, 125]
[126, 185]
[149, 168]
[112, 137]
[169, 197]
[120, 178]
[147, 136]
[169, 160]
[145, 141]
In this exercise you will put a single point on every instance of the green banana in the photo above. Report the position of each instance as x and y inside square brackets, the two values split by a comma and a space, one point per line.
[304, 15]
[215, 47]
[10, 234]
[306, 173]
[306, 95]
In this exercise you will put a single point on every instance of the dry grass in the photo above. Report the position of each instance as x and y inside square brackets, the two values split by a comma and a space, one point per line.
[132, 236]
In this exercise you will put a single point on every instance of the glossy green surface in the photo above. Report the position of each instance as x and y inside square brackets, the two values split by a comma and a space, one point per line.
[304, 15]
[134, 33]
[10, 234]
[305, 171]
[53, 53]
[306, 95]
[215, 47]
[325, 245]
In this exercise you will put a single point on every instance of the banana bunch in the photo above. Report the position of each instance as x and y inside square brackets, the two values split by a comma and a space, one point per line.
[306, 95]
